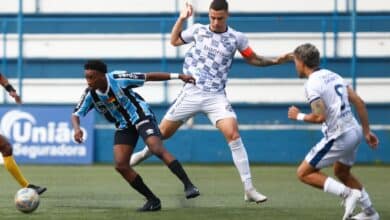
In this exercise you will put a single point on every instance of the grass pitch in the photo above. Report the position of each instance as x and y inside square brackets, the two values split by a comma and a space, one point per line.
[98, 192]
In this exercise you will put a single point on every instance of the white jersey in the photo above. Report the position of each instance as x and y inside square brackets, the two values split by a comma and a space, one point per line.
[210, 58]
[332, 90]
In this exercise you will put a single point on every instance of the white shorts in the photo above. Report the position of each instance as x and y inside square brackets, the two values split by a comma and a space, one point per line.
[342, 149]
[193, 100]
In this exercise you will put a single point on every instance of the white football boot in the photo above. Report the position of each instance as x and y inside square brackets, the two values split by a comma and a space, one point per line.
[253, 196]
[364, 216]
[140, 156]
[350, 203]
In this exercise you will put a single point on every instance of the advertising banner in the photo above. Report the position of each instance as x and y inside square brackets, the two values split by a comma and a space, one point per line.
[44, 135]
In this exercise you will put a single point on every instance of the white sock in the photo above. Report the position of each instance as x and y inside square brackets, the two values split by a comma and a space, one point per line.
[366, 203]
[240, 159]
[140, 156]
[334, 187]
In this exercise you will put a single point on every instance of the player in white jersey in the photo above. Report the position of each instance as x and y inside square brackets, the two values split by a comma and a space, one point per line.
[330, 97]
[209, 61]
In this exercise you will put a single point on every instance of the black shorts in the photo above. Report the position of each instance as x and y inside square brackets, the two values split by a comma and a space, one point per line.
[144, 128]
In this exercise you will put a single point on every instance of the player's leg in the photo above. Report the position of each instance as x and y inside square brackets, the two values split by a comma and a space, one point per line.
[152, 138]
[167, 129]
[229, 128]
[222, 115]
[324, 154]
[123, 148]
[13, 168]
[342, 169]
[184, 107]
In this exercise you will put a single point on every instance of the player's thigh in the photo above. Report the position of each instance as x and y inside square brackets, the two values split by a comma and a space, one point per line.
[350, 142]
[184, 107]
[321, 155]
[168, 128]
[5, 146]
[229, 128]
[218, 107]
[124, 142]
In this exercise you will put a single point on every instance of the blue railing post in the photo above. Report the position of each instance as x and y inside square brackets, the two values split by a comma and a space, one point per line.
[164, 57]
[20, 44]
[4, 59]
[353, 30]
[324, 44]
[335, 29]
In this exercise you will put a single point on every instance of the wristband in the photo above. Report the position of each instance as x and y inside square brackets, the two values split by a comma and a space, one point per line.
[301, 116]
[174, 76]
[9, 88]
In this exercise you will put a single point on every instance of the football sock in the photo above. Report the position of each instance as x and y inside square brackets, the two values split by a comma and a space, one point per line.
[336, 188]
[178, 170]
[139, 185]
[140, 156]
[240, 159]
[366, 203]
[14, 170]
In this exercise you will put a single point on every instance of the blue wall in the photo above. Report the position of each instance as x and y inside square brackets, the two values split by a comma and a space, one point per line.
[263, 145]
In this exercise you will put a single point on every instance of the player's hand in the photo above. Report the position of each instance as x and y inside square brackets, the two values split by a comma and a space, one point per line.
[371, 140]
[285, 58]
[187, 11]
[78, 136]
[187, 78]
[293, 112]
[17, 98]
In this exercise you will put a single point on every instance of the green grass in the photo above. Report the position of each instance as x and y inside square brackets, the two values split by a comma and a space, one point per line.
[98, 192]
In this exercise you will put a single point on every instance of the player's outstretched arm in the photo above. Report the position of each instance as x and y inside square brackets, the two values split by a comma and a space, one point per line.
[258, 60]
[167, 76]
[178, 27]
[361, 109]
[10, 89]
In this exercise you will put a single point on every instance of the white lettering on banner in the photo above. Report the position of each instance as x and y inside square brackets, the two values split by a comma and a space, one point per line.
[34, 151]
[55, 139]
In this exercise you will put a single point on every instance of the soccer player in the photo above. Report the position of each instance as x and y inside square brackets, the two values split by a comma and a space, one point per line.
[330, 97]
[6, 148]
[111, 94]
[209, 61]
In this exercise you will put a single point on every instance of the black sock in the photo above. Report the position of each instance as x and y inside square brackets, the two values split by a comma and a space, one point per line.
[178, 170]
[139, 185]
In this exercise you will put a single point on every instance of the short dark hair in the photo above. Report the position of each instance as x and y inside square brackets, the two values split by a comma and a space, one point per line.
[219, 5]
[308, 54]
[97, 65]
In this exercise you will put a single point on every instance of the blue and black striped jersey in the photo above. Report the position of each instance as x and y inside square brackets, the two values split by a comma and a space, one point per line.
[119, 104]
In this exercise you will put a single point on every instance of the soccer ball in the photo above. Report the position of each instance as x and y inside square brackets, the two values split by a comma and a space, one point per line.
[26, 200]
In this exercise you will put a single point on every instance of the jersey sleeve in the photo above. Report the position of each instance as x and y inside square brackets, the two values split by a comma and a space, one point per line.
[243, 45]
[313, 90]
[126, 79]
[188, 35]
[85, 104]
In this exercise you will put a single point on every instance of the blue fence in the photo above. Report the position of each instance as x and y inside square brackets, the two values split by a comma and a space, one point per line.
[269, 136]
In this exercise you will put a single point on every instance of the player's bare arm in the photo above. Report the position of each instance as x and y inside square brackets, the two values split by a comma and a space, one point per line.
[78, 133]
[317, 116]
[10, 89]
[258, 60]
[361, 109]
[167, 76]
[178, 27]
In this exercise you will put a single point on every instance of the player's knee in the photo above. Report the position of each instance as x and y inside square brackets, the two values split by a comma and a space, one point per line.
[122, 167]
[301, 175]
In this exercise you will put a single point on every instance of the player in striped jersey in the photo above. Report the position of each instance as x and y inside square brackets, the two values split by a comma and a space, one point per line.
[209, 61]
[6, 148]
[111, 94]
[330, 97]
